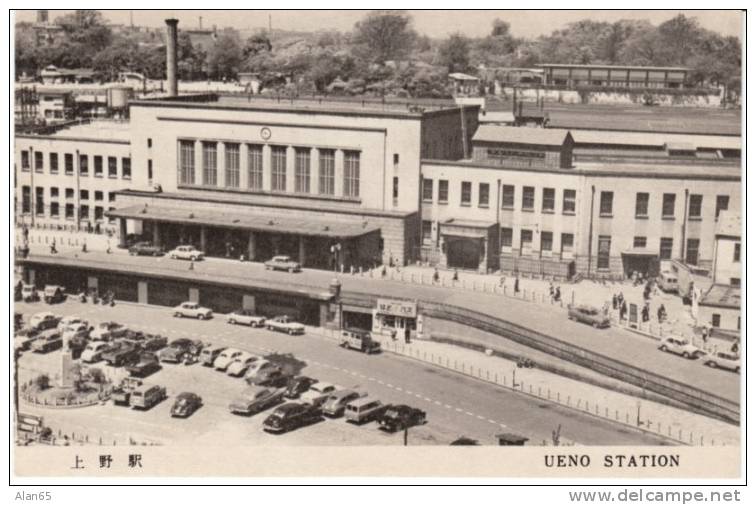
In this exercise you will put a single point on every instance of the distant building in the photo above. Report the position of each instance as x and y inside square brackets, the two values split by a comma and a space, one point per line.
[619, 76]
[523, 147]
[55, 106]
[54, 75]
[464, 84]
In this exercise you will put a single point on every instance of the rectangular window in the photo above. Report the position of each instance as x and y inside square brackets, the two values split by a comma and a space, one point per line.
[569, 201]
[443, 191]
[507, 196]
[54, 192]
[255, 167]
[53, 163]
[526, 241]
[278, 168]
[69, 193]
[97, 165]
[111, 219]
[694, 208]
[126, 168]
[607, 204]
[111, 197]
[84, 212]
[39, 163]
[427, 232]
[466, 192]
[149, 143]
[84, 165]
[395, 190]
[149, 171]
[54, 209]
[352, 174]
[427, 190]
[716, 320]
[548, 200]
[736, 252]
[691, 251]
[668, 206]
[302, 170]
[98, 196]
[39, 204]
[24, 160]
[98, 213]
[210, 163]
[232, 165]
[68, 160]
[112, 167]
[84, 194]
[547, 241]
[639, 242]
[26, 199]
[723, 202]
[641, 205]
[186, 162]
[506, 238]
[483, 194]
[326, 172]
[69, 211]
[604, 248]
[396, 159]
[665, 248]
[528, 198]
[568, 244]
[735, 282]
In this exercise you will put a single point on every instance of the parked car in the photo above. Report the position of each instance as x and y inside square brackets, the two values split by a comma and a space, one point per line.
[680, 346]
[76, 330]
[318, 393]
[667, 282]
[226, 357]
[359, 340]
[147, 365]
[241, 364]
[121, 395]
[256, 399]
[588, 315]
[246, 316]
[145, 249]
[68, 321]
[93, 351]
[337, 401]
[298, 385]
[285, 324]
[270, 376]
[192, 309]
[186, 252]
[108, 330]
[726, 360]
[210, 353]
[147, 396]
[282, 263]
[21, 343]
[29, 293]
[153, 342]
[47, 341]
[399, 417]
[121, 354]
[291, 416]
[363, 410]
[186, 404]
[257, 367]
[54, 294]
[43, 321]
[176, 350]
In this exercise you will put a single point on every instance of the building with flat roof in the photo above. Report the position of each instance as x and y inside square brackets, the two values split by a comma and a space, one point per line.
[620, 76]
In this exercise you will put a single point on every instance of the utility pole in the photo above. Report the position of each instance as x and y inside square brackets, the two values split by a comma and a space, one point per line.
[32, 168]
[270, 24]
[77, 211]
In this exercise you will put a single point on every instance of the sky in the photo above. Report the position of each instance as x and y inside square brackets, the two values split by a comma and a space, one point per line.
[435, 24]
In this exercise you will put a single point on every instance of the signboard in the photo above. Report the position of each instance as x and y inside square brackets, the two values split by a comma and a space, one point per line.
[396, 308]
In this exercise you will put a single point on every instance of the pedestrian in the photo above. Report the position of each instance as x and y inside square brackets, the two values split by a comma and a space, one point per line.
[84, 246]
[557, 294]
[108, 251]
[620, 299]
[551, 291]
[644, 313]
[383, 272]
[393, 335]
[455, 278]
[435, 275]
[406, 335]
[614, 301]
[623, 309]
[705, 332]
[661, 313]
[517, 284]
[191, 264]
[735, 348]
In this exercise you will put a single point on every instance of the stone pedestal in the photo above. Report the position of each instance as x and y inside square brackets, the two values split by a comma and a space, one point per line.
[66, 368]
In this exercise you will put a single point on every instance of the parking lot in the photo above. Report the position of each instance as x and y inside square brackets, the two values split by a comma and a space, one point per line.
[455, 405]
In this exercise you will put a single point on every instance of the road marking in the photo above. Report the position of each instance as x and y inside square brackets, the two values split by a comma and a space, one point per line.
[481, 418]
[447, 405]
[459, 410]
[381, 382]
[389, 385]
[492, 421]
[437, 402]
[469, 413]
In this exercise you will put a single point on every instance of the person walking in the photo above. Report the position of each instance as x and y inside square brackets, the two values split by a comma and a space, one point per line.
[517, 284]
[644, 313]
[623, 309]
[406, 335]
[557, 294]
[615, 301]
[661, 313]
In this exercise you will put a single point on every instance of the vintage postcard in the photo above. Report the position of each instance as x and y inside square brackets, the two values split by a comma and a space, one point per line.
[377, 244]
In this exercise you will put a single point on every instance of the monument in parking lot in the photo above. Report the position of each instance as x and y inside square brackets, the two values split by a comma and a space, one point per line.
[66, 379]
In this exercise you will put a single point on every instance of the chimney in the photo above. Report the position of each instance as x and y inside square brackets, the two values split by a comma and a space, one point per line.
[200, 22]
[171, 59]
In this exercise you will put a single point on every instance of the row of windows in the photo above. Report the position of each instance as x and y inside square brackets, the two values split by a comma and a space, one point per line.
[69, 193]
[695, 205]
[68, 163]
[278, 168]
[69, 210]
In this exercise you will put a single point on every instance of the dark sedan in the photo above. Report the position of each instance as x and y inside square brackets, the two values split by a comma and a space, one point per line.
[186, 405]
[399, 417]
[145, 249]
[298, 385]
[291, 416]
[148, 364]
[176, 350]
[123, 354]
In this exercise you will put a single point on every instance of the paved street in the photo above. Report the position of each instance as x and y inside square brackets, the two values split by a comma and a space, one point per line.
[456, 405]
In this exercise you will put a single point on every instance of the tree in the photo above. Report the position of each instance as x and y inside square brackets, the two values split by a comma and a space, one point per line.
[86, 27]
[256, 44]
[225, 58]
[500, 28]
[454, 53]
[42, 382]
[387, 35]
[680, 37]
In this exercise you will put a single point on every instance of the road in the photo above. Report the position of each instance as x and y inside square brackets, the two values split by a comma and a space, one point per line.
[614, 343]
[456, 405]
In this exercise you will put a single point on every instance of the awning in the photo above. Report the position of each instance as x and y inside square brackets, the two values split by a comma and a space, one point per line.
[640, 252]
[466, 228]
[256, 220]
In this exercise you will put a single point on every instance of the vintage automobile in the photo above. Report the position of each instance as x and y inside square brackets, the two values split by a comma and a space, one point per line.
[176, 350]
[298, 385]
[75, 330]
[241, 364]
[282, 263]
[337, 401]
[54, 294]
[285, 324]
[108, 330]
[147, 364]
[77, 344]
[359, 340]
[146, 396]
[258, 366]
[47, 341]
[291, 416]
[399, 417]
[318, 393]
[270, 375]
[226, 357]
[256, 399]
[44, 321]
[186, 252]
[29, 293]
[145, 249]
[192, 309]
[121, 354]
[93, 351]
[68, 321]
[210, 353]
[186, 404]
[364, 409]
[122, 393]
[680, 346]
[246, 316]
[725, 360]
[588, 315]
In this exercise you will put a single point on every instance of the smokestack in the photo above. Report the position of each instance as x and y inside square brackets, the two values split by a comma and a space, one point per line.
[171, 59]
[200, 22]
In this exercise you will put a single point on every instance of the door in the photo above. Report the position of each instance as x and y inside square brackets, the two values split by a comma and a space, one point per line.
[142, 292]
[463, 252]
[194, 295]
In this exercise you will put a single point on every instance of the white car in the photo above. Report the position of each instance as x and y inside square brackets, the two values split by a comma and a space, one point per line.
[225, 358]
[69, 321]
[44, 321]
[75, 330]
[726, 360]
[108, 331]
[186, 252]
[241, 363]
[680, 346]
[318, 393]
[255, 369]
[246, 316]
[283, 263]
[93, 351]
[192, 309]
[285, 324]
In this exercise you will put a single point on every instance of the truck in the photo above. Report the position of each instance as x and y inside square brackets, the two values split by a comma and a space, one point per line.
[146, 396]
[121, 395]
[359, 340]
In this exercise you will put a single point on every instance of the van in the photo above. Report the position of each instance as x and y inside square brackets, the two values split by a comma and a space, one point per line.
[209, 353]
[667, 282]
[147, 396]
[363, 410]
[54, 294]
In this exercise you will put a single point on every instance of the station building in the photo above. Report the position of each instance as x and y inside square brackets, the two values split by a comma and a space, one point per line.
[620, 76]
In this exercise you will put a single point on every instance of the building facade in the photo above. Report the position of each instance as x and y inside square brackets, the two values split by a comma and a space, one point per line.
[619, 76]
